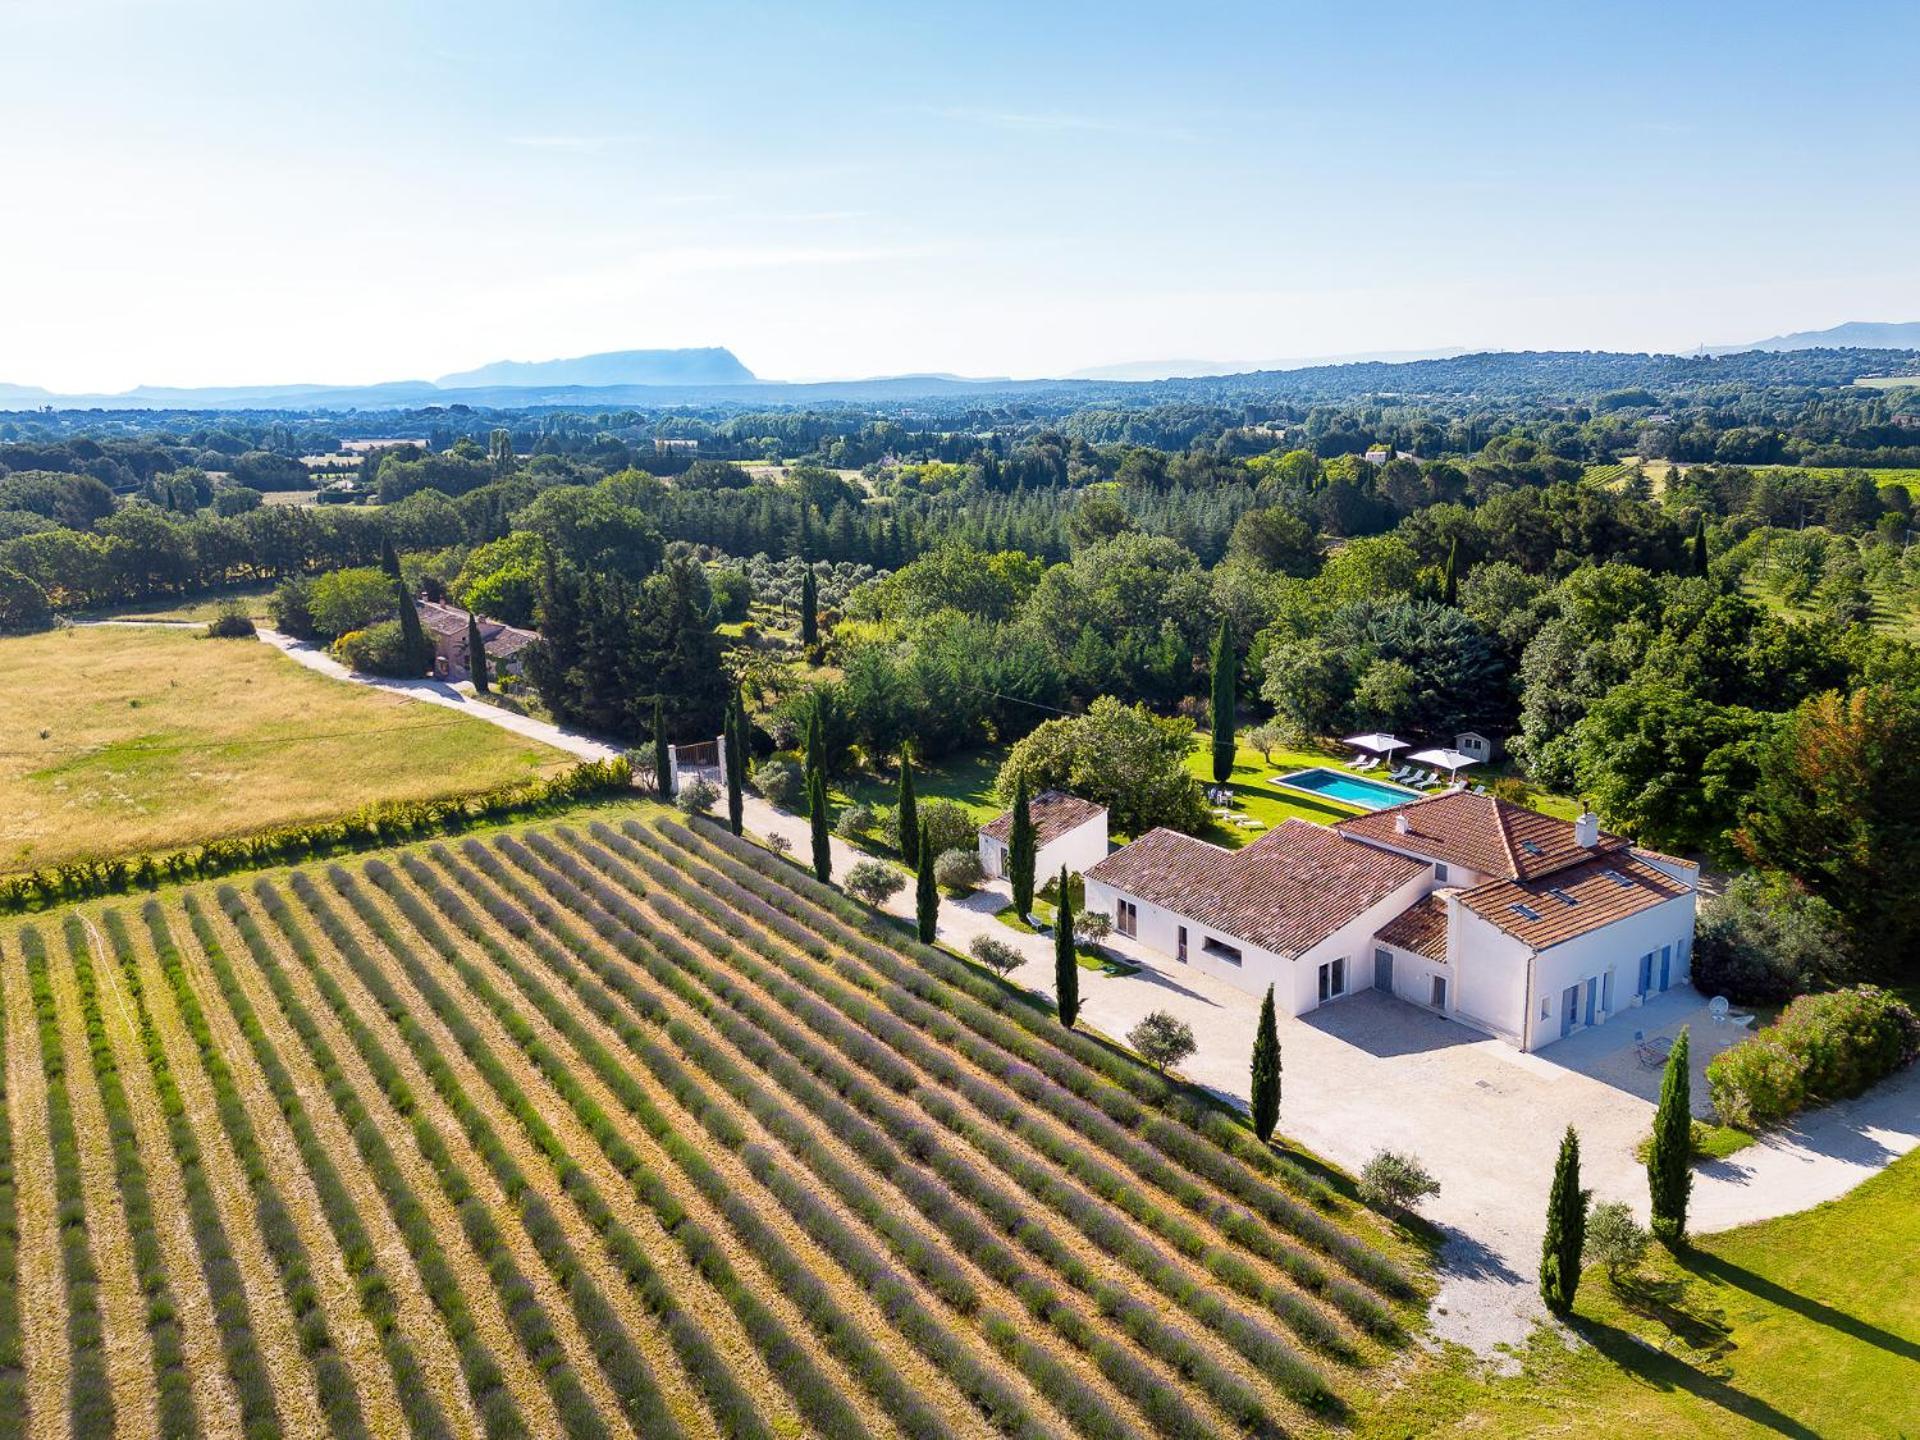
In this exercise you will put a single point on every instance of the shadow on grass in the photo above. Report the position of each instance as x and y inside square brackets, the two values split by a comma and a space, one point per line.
[1726, 1272]
[1661, 1371]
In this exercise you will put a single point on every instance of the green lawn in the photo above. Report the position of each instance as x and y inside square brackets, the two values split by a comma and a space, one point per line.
[1803, 1326]
[967, 779]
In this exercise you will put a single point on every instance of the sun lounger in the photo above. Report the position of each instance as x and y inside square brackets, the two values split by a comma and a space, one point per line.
[1402, 775]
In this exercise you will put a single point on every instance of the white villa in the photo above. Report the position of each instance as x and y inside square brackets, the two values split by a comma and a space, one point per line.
[1504, 919]
[1067, 830]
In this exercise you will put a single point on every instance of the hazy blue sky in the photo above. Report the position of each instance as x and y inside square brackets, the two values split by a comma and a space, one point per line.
[200, 191]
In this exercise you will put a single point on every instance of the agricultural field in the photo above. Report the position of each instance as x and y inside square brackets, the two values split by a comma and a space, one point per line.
[610, 1128]
[122, 739]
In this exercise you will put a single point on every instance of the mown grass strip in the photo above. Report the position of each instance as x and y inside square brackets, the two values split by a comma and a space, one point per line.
[626, 1371]
[14, 1416]
[1195, 1136]
[90, 1409]
[377, 1300]
[333, 1376]
[734, 1409]
[498, 1411]
[1086, 1409]
[252, 1385]
[813, 1390]
[1008, 1210]
[924, 1328]
[175, 1409]
[854, 1020]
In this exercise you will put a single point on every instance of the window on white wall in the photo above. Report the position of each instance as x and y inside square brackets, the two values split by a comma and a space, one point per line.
[1439, 873]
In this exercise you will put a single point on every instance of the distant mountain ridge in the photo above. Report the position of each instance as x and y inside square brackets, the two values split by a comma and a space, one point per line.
[712, 365]
[1853, 335]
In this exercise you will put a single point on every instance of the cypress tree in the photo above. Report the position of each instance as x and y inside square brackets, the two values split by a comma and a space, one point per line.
[736, 732]
[1224, 666]
[1450, 587]
[1566, 1233]
[908, 815]
[1670, 1157]
[389, 558]
[814, 762]
[476, 655]
[926, 894]
[1020, 851]
[1266, 1071]
[1066, 965]
[662, 761]
[809, 607]
[413, 634]
[1700, 546]
[822, 843]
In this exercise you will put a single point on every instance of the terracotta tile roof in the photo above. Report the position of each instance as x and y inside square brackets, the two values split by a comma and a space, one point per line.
[499, 637]
[1054, 812]
[1575, 900]
[1286, 892]
[1422, 928]
[1479, 832]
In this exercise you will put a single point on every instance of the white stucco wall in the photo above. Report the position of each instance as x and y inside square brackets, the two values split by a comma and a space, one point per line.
[1080, 849]
[1615, 948]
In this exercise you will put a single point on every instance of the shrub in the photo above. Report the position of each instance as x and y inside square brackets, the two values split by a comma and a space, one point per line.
[1614, 1238]
[1766, 941]
[778, 780]
[1823, 1047]
[378, 650]
[1392, 1181]
[997, 955]
[230, 622]
[1162, 1040]
[291, 606]
[957, 871]
[949, 826]
[696, 797]
[23, 604]
[874, 881]
[779, 844]
[854, 821]
[1092, 926]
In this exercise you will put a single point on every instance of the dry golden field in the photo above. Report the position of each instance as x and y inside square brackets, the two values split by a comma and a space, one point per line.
[121, 739]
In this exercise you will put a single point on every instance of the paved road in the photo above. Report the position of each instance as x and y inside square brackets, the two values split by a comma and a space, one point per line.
[1372, 1072]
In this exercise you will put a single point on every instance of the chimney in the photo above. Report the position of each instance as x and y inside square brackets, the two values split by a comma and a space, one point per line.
[1401, 824]
[1586, 830]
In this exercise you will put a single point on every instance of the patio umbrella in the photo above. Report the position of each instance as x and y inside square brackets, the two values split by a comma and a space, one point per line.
[1449, 760]
[1376, 743]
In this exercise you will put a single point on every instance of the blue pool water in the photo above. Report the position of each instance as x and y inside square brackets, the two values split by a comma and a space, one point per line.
[1355, 790]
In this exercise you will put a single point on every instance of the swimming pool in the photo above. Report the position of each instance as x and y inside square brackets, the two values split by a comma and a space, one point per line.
[1354, 790]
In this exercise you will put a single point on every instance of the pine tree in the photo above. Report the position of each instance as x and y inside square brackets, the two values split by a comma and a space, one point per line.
[909, 817]
[1566, 1235]
[926, 894]
[1670, 1156]
[476, 655]
[1266, 1071]
[809, 607]
[822, 834]
[662, 759]
[1700, 546]
[1066, 965]
[1020, 851]
[1224, 666]
[736, 733]
[1450, 586]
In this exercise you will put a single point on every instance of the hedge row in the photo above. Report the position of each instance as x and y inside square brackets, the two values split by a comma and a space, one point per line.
[177, 1414]
[619, 1358]
[734, 1409]
[1070, 1154]
[13, 1375]
[252, 1385]
[89, 1394]
[377, 1301]
[1006, 1209]
[924, 1329]
[1193, 1133]
[391, 823]
[495, 1404]
[815, 1392]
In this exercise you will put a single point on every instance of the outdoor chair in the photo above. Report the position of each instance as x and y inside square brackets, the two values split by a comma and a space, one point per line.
[1401, 775]
[1360, 762]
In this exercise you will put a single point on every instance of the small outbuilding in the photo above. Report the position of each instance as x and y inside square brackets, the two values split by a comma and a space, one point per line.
[1067, 830]
[1483, 748]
